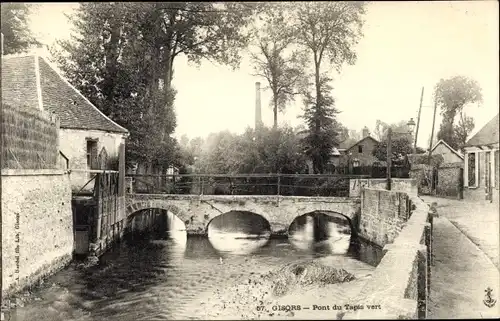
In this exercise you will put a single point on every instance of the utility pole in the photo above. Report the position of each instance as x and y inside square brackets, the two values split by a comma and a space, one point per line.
[432, 133]
[418, 122]
[389, 158]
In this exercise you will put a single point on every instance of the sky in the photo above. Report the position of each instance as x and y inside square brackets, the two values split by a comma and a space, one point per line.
[406, 46]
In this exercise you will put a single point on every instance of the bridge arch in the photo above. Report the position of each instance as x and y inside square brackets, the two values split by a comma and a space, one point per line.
[157, 204]
[335, 216]
[239, 218]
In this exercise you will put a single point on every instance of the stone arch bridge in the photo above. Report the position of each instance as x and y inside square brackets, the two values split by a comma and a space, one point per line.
[196, 211]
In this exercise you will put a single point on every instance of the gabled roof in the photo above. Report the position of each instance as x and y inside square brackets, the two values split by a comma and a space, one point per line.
[486, 135]
[442, 142]
[361, 140]
[32, 81]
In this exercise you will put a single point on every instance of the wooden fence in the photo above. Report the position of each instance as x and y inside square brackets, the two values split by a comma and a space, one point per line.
[100, 218]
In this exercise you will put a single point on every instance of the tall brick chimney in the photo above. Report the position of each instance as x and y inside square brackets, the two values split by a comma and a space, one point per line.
[366, 132]
[258, 113]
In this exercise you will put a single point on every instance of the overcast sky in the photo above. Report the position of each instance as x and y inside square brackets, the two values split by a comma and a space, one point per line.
[406, 45]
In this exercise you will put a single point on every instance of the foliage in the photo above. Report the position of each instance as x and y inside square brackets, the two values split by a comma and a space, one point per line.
[321, 135]
[328, 31]
[463, 129]
[423, 159]
[121, 56]
[452, 95]
[273, 59]
[400, 147]
[17, 36]
[398, 129]
[268, 151]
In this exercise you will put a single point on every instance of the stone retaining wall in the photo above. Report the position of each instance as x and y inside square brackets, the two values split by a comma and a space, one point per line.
[37, 225]
[400, 283]
[383, 214]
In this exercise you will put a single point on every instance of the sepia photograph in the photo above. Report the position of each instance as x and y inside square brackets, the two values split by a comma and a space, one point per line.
[249, 160]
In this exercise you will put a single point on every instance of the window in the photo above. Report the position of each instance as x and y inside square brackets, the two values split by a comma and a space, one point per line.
[92, 154]
[472, 169]
[360, 149]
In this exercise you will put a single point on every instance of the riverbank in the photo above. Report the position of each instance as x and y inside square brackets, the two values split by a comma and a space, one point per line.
[301, 290]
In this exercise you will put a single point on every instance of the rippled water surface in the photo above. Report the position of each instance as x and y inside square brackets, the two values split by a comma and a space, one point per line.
[154, 280]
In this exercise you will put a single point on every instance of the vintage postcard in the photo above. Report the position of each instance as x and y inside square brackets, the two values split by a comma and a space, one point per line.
[250, 160]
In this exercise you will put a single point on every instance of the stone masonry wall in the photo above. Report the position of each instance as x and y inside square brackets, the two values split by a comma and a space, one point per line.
[400, 284]
[448, 181]
[37, 225]
[383, 214]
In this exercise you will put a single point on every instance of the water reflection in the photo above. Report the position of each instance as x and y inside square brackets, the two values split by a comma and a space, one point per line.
[164, 279]
[320, 232]
[238, 232]
[237, 242]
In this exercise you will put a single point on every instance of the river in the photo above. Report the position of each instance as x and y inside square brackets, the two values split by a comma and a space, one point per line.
[156, 279]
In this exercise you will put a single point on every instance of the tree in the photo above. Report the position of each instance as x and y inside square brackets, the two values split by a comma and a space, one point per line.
[109, 61]
[322, 133]
[199, 30]
[17, 36]
[276, 151]
[463, 129]
[121, 56]
[400, 147]
[328, 31]
[398, 129]
[452, 95]
[274, 60]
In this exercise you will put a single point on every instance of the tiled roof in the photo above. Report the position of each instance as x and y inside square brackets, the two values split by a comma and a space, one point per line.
[19, 82]
[19, 86]
[486, 135]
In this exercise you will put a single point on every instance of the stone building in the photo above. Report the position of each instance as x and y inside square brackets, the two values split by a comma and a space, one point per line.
[359, 153]
[88, 138]
[481, 166]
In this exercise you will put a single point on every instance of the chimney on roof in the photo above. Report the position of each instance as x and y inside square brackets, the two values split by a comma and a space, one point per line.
[366, 132]
[258, 114]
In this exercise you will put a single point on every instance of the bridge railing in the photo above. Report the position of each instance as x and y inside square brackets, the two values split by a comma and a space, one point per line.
[242, 184]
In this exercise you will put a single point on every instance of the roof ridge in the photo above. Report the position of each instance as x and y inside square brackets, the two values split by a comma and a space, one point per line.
[369, 136]
[447, 145]
[38, 83]
[49, 63]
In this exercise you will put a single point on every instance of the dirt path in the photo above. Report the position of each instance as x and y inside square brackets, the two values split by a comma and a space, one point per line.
[460, 276]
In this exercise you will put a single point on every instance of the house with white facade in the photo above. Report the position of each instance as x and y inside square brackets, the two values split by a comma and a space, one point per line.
[89, 140]
[481, 164]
